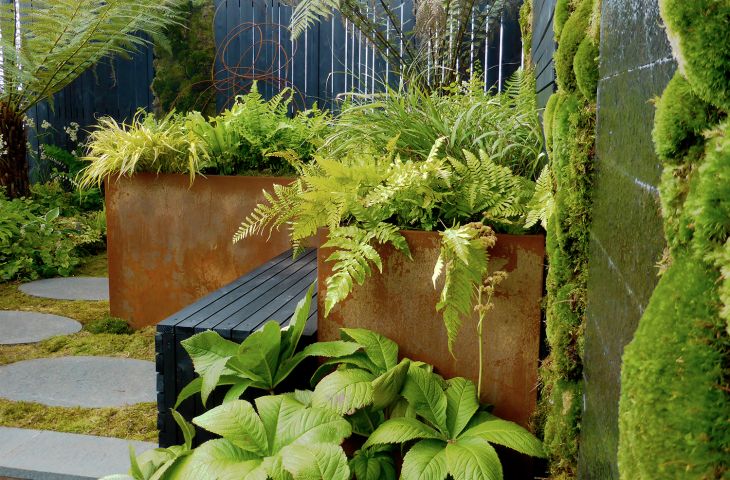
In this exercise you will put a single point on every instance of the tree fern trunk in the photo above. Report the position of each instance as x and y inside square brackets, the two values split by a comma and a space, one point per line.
[13, 154]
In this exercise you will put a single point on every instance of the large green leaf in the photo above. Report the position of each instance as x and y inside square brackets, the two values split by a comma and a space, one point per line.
[259, 353]
[502, 432]
[470, 458]
[237, 422]
[219, 459]
[196, 385]
[344, 391]
[423, 391]
[387, 387]
[237, 389]
[426, 460]
[186, 427]
[382, 351]
[211, 378]
[316, 462]
[320, 349]
[401, 430]
[461, 404]
[275, 412]
[375, 463]
[207, 348]
[291, 336]
[357, 359]
[312, 425]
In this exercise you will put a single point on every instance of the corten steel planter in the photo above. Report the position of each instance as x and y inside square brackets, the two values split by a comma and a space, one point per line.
[400, 304]
[170, 242]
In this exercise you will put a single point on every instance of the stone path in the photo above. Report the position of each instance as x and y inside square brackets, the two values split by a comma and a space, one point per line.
[71, 288]
[79, 381]
[29, 327]
[44, 455]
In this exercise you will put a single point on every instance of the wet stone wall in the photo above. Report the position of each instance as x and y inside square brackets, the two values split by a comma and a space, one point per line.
[626, 236]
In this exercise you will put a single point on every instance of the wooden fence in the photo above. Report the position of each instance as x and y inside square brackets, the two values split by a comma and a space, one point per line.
[543, 48]
[332, 57]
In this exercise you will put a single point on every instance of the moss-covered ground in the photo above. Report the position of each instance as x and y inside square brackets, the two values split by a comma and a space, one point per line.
[135, 422]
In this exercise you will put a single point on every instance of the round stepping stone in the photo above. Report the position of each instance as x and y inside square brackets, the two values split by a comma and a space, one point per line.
[71, 288]
[79, 381]
[30, 327]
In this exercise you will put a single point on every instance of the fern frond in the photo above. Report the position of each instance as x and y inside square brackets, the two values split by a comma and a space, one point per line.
[541, 206]
[463, 261]
[281, 206]
[308, 12]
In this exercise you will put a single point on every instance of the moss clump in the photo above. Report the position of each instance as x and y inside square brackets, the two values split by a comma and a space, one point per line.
[572, 34]
[680, 120]
[673, 407]
[585, 67]
[109, 324]
[709, 202]
[561, 15]
[563, 328]
[701, 33]
[674, 188]
[561, 427]
[526, 29]
[134, 422]
[548, 116]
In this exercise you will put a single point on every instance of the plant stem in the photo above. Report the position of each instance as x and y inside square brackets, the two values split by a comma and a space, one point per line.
[482, 314]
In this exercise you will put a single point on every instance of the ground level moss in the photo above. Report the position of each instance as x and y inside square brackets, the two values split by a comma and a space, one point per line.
[673, 405]
[135, 422]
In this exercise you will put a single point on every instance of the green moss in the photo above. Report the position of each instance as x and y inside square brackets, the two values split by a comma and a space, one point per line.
[585, 68]
[561, 15]
[680, 120]
[526, 29]
[709, 202]
[699, 30]
[673, 407]
[109, 324]
[562, 428]
[674, 189]
[134, 422]
[548, 116]
[564, 325]
[572, 34]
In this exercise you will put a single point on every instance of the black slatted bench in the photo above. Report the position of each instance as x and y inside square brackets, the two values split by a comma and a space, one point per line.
[270, 292]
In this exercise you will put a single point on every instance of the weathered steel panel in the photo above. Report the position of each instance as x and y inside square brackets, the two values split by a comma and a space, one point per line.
[170, 242]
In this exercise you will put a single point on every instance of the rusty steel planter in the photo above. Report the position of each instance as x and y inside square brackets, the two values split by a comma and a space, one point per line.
[170, 242]
[400, 304]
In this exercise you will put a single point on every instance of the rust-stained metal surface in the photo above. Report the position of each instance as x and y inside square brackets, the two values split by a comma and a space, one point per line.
[170, 242]
[400, 304]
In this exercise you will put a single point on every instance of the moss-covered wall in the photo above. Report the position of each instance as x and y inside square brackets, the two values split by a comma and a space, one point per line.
[626, 240]
[675, 396]
[184, 60]
[569, 123]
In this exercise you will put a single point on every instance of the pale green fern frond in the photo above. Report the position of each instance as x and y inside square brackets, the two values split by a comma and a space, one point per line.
[542, 204]
[281, 206]
[463, 262]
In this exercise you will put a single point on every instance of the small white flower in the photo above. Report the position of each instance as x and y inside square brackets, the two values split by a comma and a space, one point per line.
[45, 125]
[72, 131]
[3, 146]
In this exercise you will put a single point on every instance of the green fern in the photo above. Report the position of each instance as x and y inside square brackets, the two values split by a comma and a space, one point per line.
[542, 204]
[463, 263]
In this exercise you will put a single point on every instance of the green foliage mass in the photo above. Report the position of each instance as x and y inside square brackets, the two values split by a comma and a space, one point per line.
[184, 59]
[365, 393]
[505, 126]
[37, 240]
[672, 400]
[679, 123]
[585, 67]
[253, 136]
[572, 34]
[561, 429]
[700, 32]
[553, 104]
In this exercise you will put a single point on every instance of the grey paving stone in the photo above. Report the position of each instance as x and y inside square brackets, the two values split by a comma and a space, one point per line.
[79, 381]
[45, 455]
[29, 327]
[71, 288]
